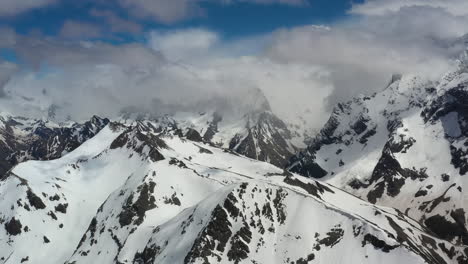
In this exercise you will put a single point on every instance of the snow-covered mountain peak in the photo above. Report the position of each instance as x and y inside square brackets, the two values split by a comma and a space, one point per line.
[403, 147]
[255, 132]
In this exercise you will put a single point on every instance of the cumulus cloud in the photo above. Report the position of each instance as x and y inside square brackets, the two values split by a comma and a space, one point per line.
[14, 7]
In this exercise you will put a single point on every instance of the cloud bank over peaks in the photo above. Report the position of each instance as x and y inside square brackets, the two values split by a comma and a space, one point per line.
[87, 78]
[303, 71]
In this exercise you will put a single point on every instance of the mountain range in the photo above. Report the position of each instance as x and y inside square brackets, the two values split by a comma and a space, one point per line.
[382, 182]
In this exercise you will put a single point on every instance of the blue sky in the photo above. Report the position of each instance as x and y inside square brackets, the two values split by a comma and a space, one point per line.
[234, 20]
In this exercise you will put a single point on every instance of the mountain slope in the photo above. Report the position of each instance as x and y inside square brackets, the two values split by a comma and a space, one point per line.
[129, 195]
[260, 223]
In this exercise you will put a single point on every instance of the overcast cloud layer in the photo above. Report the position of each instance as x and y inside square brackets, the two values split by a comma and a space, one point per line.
[304, 71]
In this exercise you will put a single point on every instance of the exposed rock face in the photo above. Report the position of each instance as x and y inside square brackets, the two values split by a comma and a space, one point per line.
[266, 138]
[13, 227]
[142, 141]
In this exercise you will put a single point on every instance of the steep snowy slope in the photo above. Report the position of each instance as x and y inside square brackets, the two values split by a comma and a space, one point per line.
[404, 147]
[24, 139]
[290, 222]
[129, 195]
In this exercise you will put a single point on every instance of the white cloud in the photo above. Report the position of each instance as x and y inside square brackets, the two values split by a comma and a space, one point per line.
[294, 89]
[217, 63]
[14, 7]
[383, 7]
